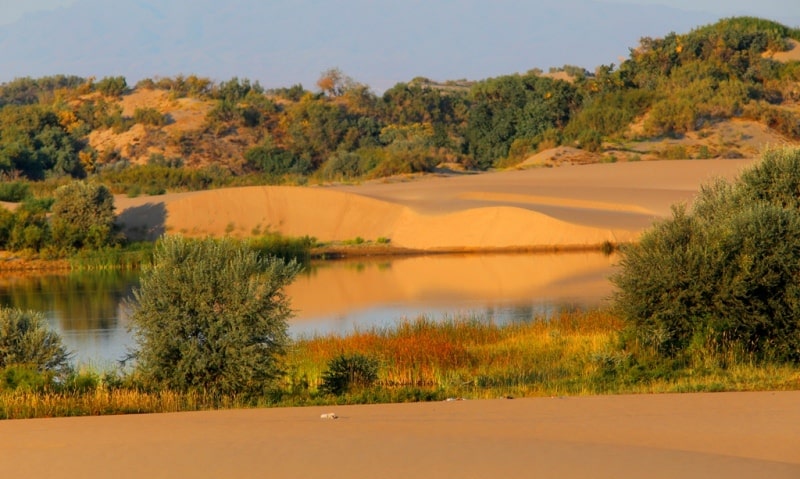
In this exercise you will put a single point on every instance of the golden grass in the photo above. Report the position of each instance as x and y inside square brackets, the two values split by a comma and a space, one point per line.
[570, 353]
[102, 401]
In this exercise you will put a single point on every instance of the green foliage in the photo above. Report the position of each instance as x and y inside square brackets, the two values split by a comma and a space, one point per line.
[28, 227]
[275, 161]
[33, 142]
[157, 159]
[112, 86]
[235, 90]
[24, 378]
[283, 247]
[211, 316]
[608, 114]
[292, 93]
[508, 108]
[725, 276]
[26, 341]
[162, 176]
[29, 91]
[346, 372]
[345, 165]
[149, 116]
[82, 216]
[316, 127]
[14, 191]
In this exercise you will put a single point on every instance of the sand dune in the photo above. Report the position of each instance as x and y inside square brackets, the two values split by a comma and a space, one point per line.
[730, 435]
[577, 206]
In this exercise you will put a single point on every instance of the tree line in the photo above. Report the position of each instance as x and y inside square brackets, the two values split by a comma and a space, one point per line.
[678, 83]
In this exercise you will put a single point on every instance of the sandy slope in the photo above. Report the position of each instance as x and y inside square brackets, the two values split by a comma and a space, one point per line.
[730, 435]
[572, 206]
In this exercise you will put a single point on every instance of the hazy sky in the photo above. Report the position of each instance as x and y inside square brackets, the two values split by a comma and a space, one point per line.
[378, 42]
[12, 10]
[772, 9]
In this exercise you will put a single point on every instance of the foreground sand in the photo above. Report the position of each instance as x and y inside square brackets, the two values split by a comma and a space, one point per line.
[730, 435]
[566, 207]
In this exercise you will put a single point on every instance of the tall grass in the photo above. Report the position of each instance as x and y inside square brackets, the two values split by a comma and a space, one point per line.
[570, 353]
[129, 257]
[101, 401]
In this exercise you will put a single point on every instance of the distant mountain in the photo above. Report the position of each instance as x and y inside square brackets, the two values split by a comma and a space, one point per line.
[283, 43]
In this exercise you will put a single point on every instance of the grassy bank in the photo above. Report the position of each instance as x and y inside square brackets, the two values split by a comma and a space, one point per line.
[569, 354]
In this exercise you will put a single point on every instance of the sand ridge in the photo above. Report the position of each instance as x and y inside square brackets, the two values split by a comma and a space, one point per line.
[566, 207]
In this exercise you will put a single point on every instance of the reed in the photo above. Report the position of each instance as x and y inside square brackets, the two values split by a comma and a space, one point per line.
[119, 258]
[569, 353]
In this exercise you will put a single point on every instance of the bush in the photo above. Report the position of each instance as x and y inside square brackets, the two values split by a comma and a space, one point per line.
[26, 341]
[211, 316]
[275, 161]
[14, 191]
[345, 165]
[348, 371]
[149, 116]
[112, 86]
[82, 216]
[723, 277]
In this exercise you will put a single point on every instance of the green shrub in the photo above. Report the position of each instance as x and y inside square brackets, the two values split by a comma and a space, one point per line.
[112, 86]
[82, 216]
[14, 191]
[347, 372]
[24, 378]
[724, 277]
[26, 341]
[149, 116]
[210, 316]
[284, 247]
[275, 161]
[343, 165]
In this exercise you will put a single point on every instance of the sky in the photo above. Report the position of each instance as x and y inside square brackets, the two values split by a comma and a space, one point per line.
[12, 10]
[377, 42]
[773, 9]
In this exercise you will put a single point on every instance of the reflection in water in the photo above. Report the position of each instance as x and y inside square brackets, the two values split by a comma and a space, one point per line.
[84, 308]
[451, 283]
[88, 310]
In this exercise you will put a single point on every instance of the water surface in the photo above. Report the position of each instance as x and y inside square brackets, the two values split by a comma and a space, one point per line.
[89, 310]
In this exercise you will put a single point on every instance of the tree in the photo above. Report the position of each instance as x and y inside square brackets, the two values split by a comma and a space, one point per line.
[275, 161]
[26, 341]
[335, 83]
[723, 277]
[210, 315]
[82, 216]
[514, 107]
[112, 86]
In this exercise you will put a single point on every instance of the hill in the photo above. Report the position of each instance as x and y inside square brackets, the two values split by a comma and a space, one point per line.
[724, 90]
